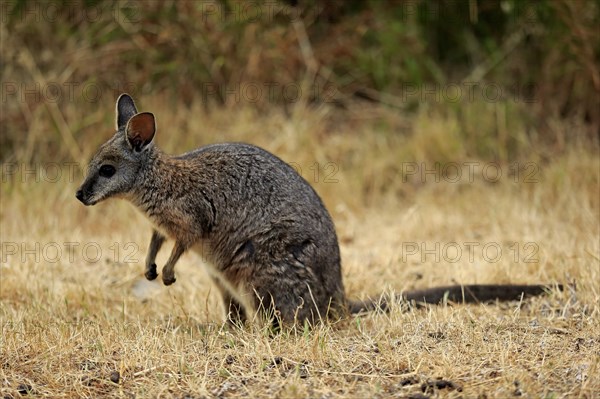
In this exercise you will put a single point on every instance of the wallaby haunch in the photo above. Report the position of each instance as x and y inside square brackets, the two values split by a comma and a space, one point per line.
[269, 240]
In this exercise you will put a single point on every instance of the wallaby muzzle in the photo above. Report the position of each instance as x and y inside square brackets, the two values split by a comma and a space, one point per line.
[79, 196]
[83, 195]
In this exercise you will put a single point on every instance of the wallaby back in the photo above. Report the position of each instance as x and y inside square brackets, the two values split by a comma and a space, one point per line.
[270, 242]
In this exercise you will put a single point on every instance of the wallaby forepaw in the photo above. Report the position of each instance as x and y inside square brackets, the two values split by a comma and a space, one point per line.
[151, 273]
[168, 280]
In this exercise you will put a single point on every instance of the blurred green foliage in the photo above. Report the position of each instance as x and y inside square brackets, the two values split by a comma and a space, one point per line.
[539, 59]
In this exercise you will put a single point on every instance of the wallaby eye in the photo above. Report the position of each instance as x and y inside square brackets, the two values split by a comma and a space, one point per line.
[107, 170]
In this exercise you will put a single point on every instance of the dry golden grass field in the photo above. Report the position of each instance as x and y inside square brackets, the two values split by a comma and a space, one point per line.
[78, 318]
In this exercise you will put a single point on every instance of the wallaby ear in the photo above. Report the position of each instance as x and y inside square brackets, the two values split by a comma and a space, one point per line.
[140, 130]
[125, 110]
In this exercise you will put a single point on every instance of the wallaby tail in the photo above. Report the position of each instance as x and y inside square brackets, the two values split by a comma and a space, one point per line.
[475, 293]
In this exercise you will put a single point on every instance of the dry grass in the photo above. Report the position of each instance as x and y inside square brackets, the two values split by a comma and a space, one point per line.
[69, 325]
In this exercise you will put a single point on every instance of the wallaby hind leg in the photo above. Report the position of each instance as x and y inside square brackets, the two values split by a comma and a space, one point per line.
[236, 315]
[156, 242]
[168, 272]
[285, 298]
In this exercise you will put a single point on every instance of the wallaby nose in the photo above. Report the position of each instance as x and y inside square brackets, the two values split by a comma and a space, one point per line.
[79, 195]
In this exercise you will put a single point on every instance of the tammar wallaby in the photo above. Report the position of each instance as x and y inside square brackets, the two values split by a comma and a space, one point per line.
[269, 241]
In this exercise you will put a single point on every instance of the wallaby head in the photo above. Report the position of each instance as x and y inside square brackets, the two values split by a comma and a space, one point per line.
[114, 168]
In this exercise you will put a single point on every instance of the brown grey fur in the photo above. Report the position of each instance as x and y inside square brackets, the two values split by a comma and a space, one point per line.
[269, 239]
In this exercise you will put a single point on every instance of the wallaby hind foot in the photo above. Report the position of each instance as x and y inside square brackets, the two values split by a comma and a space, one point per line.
[268, 240]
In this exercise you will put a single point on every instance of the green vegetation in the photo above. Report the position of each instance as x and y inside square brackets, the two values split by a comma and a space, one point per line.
[507, 71]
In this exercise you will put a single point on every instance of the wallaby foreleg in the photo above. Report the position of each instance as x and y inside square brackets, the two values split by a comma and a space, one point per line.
[156, 242]
[168, 272]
